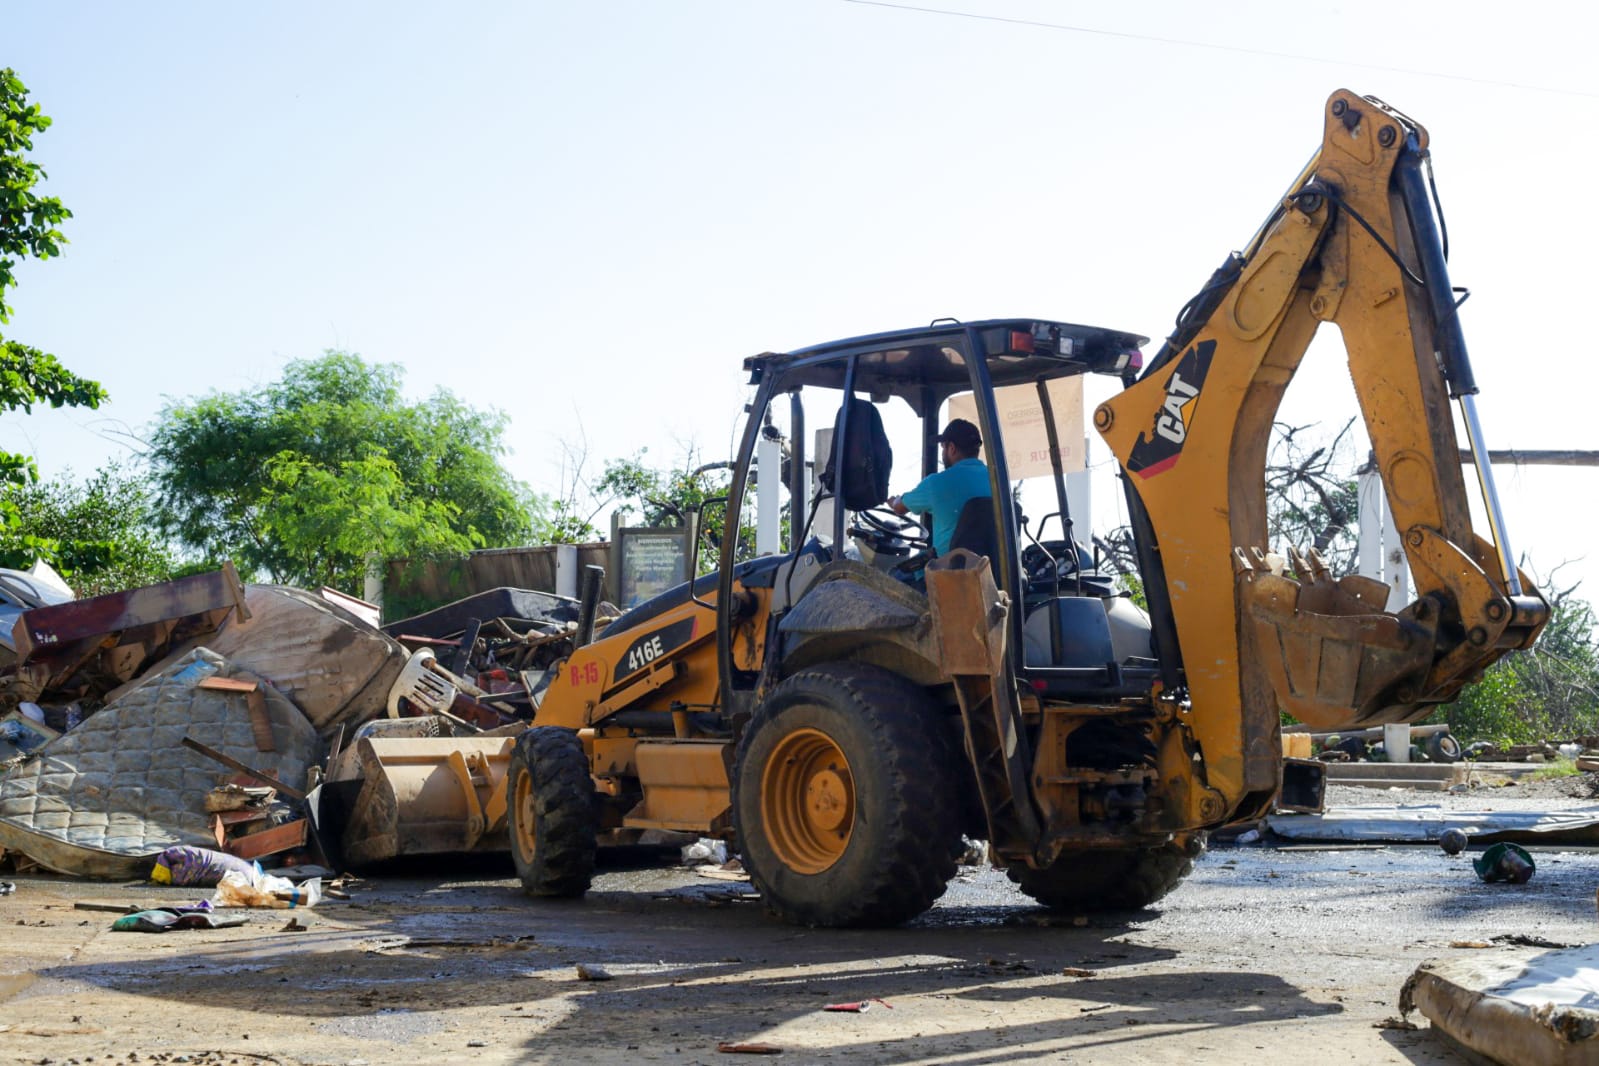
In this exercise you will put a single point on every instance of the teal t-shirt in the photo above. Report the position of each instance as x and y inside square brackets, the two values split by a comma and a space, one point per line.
[943, 494]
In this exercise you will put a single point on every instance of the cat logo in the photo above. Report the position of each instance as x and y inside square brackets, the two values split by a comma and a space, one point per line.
[1157, 452]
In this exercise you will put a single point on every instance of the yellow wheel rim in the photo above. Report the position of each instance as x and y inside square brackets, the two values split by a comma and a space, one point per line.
[522, 826]
[808, 801]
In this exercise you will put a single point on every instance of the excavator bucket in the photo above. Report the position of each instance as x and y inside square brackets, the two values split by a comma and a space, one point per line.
[1335, 657]
[404, 796]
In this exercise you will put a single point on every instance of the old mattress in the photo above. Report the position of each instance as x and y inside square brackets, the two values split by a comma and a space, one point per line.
[103, 799]
[334, 666]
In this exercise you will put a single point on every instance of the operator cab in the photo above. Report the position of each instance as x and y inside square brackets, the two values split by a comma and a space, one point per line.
[859, 421]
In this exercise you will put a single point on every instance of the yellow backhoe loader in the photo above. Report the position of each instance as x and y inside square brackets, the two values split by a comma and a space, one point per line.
[848, 709]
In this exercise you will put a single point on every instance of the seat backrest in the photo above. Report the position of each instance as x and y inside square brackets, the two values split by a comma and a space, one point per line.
[974, 529]
[866, 467]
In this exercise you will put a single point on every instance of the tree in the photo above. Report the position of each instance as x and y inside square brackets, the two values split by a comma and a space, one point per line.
[27, 229]
[99, 534]
[670, 497]
[309, 477]
[1550, 691]
[1312, 501]
[1312, 496]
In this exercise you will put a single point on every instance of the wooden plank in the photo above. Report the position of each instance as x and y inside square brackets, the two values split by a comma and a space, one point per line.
[285, 837]
[234, 764]
[228, 684]
[260, 720]
[255, 700]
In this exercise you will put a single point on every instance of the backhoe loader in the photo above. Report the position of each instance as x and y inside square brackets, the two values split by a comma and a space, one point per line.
[847, 710]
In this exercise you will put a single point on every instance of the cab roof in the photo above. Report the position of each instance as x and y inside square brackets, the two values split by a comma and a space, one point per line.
[925, 366]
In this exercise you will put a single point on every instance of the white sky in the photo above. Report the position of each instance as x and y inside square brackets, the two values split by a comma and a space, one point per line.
[587, 214]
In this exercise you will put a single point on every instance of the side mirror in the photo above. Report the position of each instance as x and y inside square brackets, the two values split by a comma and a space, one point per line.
[695, 525]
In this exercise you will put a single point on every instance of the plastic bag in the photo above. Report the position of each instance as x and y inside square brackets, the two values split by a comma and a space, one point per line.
[185, 865]
[257, 889]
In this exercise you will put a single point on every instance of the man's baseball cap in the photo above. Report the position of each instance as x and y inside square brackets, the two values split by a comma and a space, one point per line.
[962, 434]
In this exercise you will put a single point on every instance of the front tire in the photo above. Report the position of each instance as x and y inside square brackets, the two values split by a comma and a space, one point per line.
[844, 798]
[1104, 880]
[552, 818]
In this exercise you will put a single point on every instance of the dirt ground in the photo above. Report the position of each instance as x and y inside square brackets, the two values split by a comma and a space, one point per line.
[1264, 953]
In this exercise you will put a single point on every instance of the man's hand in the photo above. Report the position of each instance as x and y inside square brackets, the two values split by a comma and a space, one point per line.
[897, 505]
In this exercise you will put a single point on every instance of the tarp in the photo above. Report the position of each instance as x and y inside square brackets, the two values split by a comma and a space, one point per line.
[1518, 1009]
[1422, 825]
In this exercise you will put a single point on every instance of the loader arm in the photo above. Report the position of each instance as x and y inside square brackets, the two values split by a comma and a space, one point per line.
[1355, 243]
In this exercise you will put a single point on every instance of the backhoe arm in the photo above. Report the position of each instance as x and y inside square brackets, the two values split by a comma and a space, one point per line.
[1354, 243]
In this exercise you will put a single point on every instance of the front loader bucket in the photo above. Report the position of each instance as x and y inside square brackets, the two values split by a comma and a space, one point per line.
[425, 795]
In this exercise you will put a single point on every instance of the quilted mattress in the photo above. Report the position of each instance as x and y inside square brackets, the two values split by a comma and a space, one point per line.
[105, 798]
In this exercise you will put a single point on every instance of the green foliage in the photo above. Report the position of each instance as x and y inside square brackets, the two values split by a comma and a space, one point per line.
[670, 497]
[307, 477]
[327, 520]
[1561, 767]
[28, 224]
[27, 221]
[1550, 691]
[99, 534]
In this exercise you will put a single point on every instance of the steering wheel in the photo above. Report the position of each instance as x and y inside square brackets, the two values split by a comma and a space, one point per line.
[888, 522]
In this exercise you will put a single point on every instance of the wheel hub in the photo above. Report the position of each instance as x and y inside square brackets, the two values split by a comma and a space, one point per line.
[808, 801]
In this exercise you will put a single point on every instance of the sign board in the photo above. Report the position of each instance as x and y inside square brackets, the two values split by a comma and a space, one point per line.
[648, 561]
[1021, 424]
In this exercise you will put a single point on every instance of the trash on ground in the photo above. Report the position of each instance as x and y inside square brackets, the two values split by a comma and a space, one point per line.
[1453, 841]
[161, 919]
[731, 870]
[1516, 1008]
[704, 852]
[590, 972]
[186, 865]
[748, 1048]
[1425, 824]
[1505, 862]
[257, 889]
[856, 1007]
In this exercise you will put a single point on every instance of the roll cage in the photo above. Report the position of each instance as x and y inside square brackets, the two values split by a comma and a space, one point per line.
[924, 367]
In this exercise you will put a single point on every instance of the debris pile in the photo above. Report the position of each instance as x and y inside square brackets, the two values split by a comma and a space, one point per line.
[209, 714]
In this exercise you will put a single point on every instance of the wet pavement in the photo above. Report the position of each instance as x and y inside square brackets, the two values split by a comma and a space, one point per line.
[1261, 951]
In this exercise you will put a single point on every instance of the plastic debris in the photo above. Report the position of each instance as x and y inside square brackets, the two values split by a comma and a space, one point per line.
[589, 972]
[185, 865]
[256, 889]
[1505, 862]
[859, 1007]
[161, 919]
[705, 851]
[748, 1048]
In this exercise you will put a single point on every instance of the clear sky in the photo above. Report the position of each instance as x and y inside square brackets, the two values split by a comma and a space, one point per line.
[587, 214]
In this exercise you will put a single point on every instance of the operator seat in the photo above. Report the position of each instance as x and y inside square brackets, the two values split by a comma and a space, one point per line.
[974, 528]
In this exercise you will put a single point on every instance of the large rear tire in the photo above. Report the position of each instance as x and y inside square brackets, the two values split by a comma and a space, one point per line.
[844, 798]
[552, 818]
[1098, 880]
